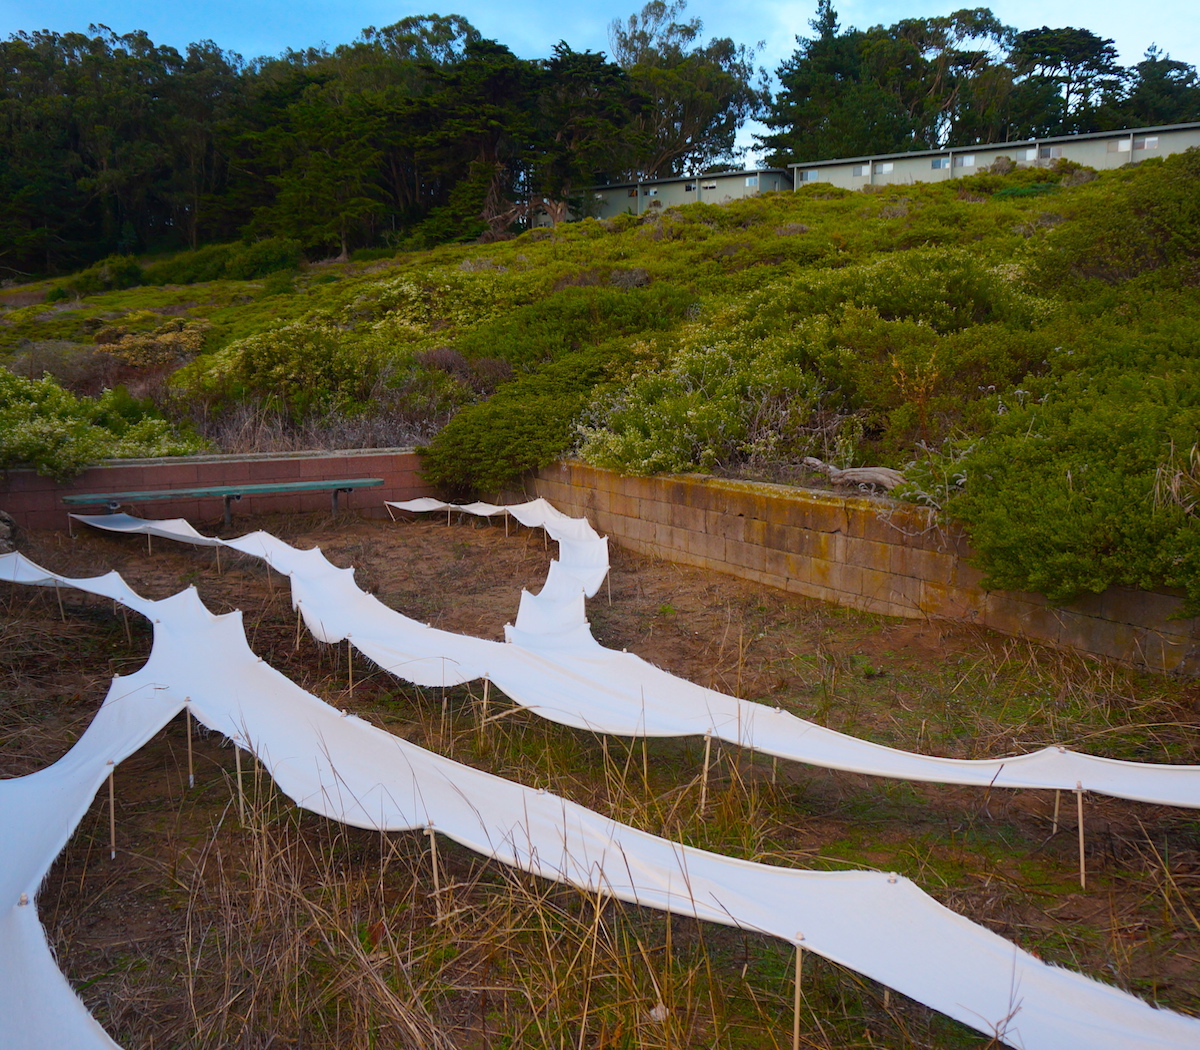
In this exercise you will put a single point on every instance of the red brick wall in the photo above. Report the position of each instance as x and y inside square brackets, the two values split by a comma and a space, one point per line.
[36, 502]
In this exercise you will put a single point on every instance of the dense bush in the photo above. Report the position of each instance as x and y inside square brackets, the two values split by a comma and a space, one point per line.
[240, 261]
[49, 428]
[117, 271]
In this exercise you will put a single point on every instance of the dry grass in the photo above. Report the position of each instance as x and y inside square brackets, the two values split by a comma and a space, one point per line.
[291, 931]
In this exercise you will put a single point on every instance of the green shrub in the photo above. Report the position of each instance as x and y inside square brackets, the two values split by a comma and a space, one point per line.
[59, 434]
[117, 271]
[239, 261]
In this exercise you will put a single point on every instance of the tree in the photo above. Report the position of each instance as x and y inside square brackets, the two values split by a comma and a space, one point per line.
[1080, 66]
[699, 95]
[1162, 91]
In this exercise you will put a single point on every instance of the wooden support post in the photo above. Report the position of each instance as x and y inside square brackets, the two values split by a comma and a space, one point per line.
[797, 993]
[191, 763]
[704, 778]
[1057, 805]
[112, 814]
[58, 595]
[237, 752]
[506, 524]
[774, 769]
[1079, 816]
[350, 663]
[217, 548]
[149, 548]
[297, 644]
[437, 878]
[608, 581]
[447, 517]
[125, 617]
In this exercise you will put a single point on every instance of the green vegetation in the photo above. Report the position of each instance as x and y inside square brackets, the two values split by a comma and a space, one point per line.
[1027, 356]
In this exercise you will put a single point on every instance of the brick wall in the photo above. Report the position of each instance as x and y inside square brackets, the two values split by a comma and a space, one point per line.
[36, 502]
[868, 553]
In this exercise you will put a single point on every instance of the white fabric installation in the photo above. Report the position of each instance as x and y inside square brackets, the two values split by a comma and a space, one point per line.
[340, 766]
[555, 668]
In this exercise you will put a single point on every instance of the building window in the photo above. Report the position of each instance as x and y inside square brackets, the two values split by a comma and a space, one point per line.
[1118, 145]
[859, 171]
[1049, 152]
[708, 185]
[940, 162]
[965, 160]
[598, 196]
[1146, 142]
[884, 167]
[689, 188]
[808, 175]
[752, 180]
[633, 192]
[1027, 154]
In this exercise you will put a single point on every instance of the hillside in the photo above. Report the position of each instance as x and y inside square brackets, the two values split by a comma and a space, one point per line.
[1025, 345]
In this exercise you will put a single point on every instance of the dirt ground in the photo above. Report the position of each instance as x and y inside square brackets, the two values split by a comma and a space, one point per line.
[129, 932]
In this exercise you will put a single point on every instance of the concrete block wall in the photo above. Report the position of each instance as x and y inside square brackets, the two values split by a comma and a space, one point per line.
[36, 502]
[868, 553]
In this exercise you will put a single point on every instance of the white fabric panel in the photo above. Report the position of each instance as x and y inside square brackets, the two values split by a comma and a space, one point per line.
[167, 528]
[340, 766]
[568, 677]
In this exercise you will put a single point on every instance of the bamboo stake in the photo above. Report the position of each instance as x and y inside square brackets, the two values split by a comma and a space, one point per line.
[774, 769]
[437, 880]
[484, 715]
[1057, 804]
[237, 752]
[1079, 814]
[704, 779]
[797, 994]
[191, 765]
[112, 814]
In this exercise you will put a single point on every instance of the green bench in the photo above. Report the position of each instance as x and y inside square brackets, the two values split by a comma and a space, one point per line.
[113, 500]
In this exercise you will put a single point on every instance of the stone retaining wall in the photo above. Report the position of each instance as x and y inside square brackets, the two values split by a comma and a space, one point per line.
[868, 553]
[35, 502]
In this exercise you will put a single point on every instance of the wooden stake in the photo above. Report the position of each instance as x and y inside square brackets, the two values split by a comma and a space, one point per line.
[125, 617]
[297, 645]
[112, 815]
[350, 663]
[1057, 804]
[217, 548]
[506, 524]
[237, 752]
[58, 595]
[797, 993]
[608, 581]
[149, 548]
[191, 765]
[774, 769]
[437, 879]
[447, 517]
[1079, 815]
[704, 779]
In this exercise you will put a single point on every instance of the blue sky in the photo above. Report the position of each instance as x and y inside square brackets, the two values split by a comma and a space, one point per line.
[532, 27]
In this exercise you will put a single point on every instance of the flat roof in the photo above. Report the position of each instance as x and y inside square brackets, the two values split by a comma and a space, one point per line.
[947, 150]
[734, 173]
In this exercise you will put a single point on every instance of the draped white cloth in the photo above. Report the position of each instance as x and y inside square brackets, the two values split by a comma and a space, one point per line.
[340, 766]
[555, 668]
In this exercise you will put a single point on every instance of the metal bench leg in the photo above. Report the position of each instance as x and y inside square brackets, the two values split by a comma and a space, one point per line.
[228, 509]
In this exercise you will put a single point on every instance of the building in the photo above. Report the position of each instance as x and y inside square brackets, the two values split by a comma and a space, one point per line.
[1100, 150]
[655, 194]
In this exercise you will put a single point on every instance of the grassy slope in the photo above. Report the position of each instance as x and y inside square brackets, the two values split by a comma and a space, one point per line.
[969, 326]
